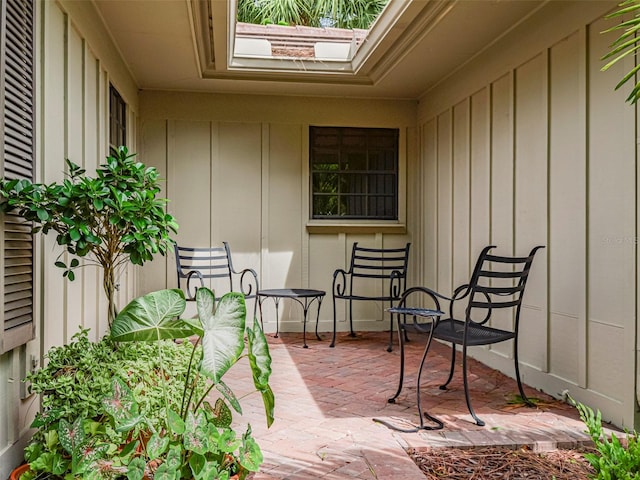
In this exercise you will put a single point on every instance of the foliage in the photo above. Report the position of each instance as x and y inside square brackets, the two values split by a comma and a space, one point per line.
[626, 44]
[110, 220]
[324, 13]
[613, 461]
[79, 375]
[155, 423]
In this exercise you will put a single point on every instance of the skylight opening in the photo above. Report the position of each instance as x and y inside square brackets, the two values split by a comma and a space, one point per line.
[303, 30]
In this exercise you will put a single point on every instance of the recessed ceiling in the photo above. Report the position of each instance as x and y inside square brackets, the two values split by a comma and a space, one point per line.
[184, 45]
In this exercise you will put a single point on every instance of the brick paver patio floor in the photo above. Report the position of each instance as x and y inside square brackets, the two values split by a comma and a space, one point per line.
[327, 398]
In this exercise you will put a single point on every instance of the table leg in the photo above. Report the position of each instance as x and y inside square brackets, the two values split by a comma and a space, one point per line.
[277, 302]
[318, 317]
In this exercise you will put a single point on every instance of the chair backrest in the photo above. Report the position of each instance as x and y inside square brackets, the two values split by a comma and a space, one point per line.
[497, 282]
[195, 264]
[379, 262]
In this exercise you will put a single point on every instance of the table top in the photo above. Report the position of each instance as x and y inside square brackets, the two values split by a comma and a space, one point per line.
[418, 312]
[291, 292]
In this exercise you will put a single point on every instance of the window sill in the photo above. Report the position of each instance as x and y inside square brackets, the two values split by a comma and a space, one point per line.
[352, 226]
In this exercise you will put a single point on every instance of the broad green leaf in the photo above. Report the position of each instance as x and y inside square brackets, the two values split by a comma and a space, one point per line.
[121, 404]
[259, 357]
[157, 445]
[152, 317]
[221, 415]
[250, 455]
[229, 395]
[135, 470]
[175, 422]
[165, 472]
[223, 340]
[71, 435]
[269, 402]
[195, 438]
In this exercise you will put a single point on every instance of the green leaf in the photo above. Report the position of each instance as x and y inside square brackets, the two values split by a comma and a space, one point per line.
[71, 435]
[175, 422]
[43, 215]
[268, 399]
[259, 356]
[250, 455]
[122, 406]
[152, 317]
[221, 414]
[165, 472]
[223, 340]
[196, 438]
[135, 470]
[157, 445]
[229, 395]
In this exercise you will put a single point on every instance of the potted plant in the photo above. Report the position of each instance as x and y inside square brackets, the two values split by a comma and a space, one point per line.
[157, 423]
[110, 220]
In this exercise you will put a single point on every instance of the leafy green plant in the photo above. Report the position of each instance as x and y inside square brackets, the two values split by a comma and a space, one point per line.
[110, 220]
[197, 441]
[75, 380]
[614, 461]
[158, 425]
[327, 13]
[626, 44]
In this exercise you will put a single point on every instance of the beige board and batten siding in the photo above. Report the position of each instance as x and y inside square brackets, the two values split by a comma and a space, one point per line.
[75, 62]
[532, 146]
[237, 171]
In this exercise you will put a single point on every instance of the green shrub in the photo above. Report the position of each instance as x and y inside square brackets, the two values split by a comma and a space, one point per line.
[613, 460]
[78, 376]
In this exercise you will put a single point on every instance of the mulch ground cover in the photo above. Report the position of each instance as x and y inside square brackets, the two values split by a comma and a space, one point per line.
[502, 463]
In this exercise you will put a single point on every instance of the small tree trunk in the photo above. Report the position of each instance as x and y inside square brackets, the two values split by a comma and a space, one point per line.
[109, 286]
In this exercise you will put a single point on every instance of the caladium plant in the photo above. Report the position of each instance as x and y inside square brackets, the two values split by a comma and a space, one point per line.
[197, 440]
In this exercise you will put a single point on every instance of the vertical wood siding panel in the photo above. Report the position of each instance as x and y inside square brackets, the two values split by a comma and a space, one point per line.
[531, 202]
[567, 198]
[51, 164]
[92, 289]
[461, 193]
[159, 273]
[430, 202]
[237, 192]
[284, 219]
[480, 167]
[445, 208]
[502, 164]
[189, 163]
[502, 187]
[611, 227]
[74, 151]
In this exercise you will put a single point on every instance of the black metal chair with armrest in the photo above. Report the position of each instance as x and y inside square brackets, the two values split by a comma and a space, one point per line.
[497, 282]
[388, 264]
[213, 263]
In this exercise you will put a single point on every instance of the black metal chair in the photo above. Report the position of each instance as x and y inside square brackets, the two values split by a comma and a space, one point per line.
[497, 282]
[213, 263]
[386, 264]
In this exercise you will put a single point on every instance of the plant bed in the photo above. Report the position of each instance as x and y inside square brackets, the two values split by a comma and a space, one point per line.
[503, 463]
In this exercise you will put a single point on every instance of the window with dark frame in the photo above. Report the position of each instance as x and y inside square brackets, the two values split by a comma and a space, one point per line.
[354, 173]
[117, 119]
[17, 134]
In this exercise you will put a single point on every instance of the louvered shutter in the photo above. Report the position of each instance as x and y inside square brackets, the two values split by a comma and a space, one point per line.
[18, 153]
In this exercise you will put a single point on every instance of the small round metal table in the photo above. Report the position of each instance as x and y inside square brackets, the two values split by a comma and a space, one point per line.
[305, 297]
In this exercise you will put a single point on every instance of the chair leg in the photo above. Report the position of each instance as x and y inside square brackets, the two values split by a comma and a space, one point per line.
[466, 388]
[333, 340]
[523, 395]
[453, 365]
[390, 346]
[352, 333]
[401, 381]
